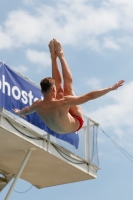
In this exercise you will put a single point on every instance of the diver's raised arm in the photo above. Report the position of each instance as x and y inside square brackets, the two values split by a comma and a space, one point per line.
[77, 100]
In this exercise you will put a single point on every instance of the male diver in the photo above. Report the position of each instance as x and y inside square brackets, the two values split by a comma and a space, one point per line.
[60, 109]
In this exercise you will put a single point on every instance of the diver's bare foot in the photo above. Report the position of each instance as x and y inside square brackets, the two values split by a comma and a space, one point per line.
[58, 48]
[52, 49]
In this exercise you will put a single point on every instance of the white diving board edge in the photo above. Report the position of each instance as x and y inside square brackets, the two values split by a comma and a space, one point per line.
[45, 165]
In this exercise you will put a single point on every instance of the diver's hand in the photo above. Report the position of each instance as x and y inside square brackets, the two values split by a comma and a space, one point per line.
[117, 85]
[17, 112]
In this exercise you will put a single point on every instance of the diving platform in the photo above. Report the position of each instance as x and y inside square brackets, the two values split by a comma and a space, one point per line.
[50, 161]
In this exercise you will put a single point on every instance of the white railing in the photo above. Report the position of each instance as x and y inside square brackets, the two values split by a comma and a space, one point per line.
[87, 148]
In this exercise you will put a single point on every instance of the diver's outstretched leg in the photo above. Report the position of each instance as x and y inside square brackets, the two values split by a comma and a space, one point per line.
[55, 71]
[67, 76]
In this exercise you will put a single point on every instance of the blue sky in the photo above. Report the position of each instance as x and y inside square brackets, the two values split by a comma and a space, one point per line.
[97, 37]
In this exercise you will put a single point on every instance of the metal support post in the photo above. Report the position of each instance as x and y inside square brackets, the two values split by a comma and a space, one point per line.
[85, 141]
[48, 142]
[19, 173]
[89, 140]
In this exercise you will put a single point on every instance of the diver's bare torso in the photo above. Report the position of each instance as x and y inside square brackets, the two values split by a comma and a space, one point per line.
[56, 116]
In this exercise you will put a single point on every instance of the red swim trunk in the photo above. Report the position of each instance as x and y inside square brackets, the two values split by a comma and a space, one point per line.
[81, 121]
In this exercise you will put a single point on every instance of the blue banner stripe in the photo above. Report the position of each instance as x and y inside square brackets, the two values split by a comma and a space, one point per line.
[18, 92]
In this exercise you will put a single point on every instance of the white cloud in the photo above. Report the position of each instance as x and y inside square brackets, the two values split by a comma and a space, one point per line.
[94, 83]
[27, 2]
[23, 28]
[118, 116]
[5, 40]
[94, 44]
[74, 23]
[114, 114]
[37, 57]
[110, 44]
[124, 9]
[126, 40]
[21, 69]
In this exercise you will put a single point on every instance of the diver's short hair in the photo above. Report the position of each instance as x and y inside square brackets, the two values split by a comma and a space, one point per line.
[46, 84]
